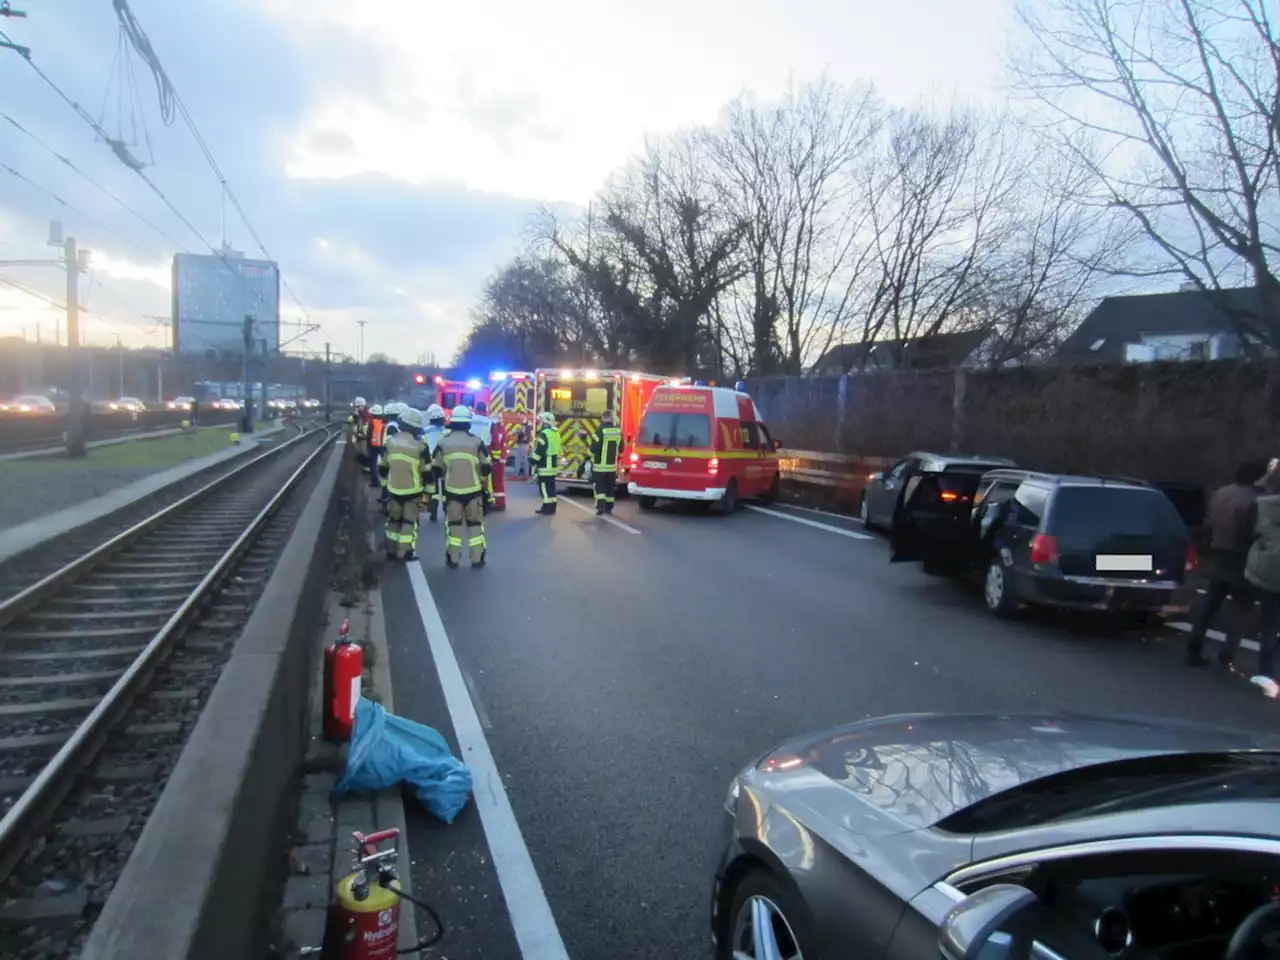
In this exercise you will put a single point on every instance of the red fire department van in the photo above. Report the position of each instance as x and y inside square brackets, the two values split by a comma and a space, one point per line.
[453, 393]
[703, 443]
[577, 398]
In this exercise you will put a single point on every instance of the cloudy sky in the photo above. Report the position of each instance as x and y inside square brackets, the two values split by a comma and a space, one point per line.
[388, 153]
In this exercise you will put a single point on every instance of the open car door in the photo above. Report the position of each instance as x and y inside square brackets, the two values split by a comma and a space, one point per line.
[931, 519]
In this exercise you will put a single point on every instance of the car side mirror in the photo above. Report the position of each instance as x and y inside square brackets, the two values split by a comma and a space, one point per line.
[972, 923]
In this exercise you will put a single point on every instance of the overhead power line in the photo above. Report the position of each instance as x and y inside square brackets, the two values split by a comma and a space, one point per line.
[66, 161]
[72, 207]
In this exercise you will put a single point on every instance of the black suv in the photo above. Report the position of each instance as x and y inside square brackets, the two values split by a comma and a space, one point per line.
[884, 489]
[1082, 542]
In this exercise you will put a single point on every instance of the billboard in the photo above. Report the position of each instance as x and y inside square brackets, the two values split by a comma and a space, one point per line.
[213, 294]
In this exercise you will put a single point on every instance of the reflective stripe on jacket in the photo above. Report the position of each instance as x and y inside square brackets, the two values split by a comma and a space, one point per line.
[462, 459]
[403, 465]
[604, 449]
[546, 452]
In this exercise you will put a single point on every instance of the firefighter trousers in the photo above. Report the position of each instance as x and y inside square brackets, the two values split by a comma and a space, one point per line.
[604, 482]
[402, 525]
[375, 454]
[547, 487]
[435, 489]
[468, 514]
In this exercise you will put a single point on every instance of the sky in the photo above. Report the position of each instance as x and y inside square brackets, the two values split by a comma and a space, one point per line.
[389, 154]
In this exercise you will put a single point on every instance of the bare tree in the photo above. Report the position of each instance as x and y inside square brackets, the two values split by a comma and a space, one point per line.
[1174, 105]
[938, 203]
[789, 171]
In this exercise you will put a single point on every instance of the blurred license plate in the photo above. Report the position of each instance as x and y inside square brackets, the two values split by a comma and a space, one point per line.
[1124, 562]
[654, 465]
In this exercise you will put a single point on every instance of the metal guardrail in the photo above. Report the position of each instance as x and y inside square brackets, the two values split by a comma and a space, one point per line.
[836, 471]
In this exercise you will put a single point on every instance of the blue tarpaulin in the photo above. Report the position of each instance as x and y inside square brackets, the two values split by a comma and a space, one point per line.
[387, 750]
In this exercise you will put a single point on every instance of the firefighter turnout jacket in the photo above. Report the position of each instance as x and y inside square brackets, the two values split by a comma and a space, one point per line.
[462, 460]
[546, 452]
[404, 465]
[604, 449]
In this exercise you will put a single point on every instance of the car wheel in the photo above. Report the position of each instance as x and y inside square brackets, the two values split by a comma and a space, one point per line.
[647, 503]
[998, 591]
[729, 502]
[765, 922]
[775, 489]
[864, 514]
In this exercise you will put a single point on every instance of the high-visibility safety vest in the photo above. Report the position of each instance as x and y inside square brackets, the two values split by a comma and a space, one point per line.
[498, 449]
[458, 456]
[604, 450]
[482, 427]
[377, 426]
[547, 451]
[404, 465]
[431, 436]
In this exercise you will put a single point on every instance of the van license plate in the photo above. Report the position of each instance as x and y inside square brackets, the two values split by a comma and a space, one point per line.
[1124, 563]
[654, 465]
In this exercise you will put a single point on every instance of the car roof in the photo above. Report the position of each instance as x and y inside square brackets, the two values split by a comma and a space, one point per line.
[1068, 479]
[943, 460]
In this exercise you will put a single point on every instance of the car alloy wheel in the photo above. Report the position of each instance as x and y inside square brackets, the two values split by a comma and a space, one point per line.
[994, 586]
[761, 932]
[863, 513]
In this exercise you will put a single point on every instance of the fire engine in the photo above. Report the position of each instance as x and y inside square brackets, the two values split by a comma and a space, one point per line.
[578, 397]
[511, 401]
[451, 393]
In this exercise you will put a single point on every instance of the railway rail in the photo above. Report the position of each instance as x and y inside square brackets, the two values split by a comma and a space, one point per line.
[104, 666]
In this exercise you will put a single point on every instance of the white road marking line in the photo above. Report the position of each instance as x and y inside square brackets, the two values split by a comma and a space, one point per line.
[1217, 635]
[824, 513]
[851, 534]
[592, 510]
[531, 917]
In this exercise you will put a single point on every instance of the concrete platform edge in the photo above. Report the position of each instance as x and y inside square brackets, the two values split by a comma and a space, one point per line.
[35, 533]
[201, 880]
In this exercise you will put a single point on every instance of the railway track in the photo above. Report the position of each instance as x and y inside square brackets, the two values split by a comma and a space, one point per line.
[104, 667]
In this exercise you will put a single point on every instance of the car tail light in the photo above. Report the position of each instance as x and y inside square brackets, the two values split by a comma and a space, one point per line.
[713, 466]
[1044, 549]
[950, 496]
[1193, 558]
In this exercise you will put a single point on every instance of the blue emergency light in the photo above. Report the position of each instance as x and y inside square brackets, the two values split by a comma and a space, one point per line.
[741, 386]
[699, 383]
[473, 384]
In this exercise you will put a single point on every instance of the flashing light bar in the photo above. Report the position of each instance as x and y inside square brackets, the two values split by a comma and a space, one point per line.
[498, 375]
[590, 374]
[567, 374]
[473, 384]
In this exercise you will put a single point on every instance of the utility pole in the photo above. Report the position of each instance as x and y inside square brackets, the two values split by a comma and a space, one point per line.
[120, 364]
[362, 323]
[328, 359]
[246, 414]
[264, 408]
[6, 10]
[75, 409]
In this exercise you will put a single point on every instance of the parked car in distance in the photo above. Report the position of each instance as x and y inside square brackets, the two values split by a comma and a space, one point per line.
[29, 405]
[1088, 836]
[881, 493]
[181, 403]
[127, 405]
[1054, 540]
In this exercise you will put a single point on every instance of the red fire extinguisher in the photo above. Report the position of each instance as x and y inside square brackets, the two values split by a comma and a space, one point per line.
[364, 919]
[343, 664]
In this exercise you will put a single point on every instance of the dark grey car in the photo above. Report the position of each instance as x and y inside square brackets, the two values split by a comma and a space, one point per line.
[1062, 836]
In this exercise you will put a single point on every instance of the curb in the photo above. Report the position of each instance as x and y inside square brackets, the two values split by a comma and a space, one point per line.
[204, 871]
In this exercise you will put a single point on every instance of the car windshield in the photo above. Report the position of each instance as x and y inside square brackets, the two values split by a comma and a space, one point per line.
[1085, 516]
[1125, 785]
[682, 431]
[32, 401]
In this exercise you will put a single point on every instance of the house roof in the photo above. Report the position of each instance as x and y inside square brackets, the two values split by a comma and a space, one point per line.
[938, 351]
[1116, 321]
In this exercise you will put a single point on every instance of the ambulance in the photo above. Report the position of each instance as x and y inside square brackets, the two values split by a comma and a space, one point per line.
[512, 401]
[577, 398]
[703, 443]
[451, 393]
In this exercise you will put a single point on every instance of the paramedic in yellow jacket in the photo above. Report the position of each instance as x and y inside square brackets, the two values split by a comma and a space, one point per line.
[462, 462]
[546, 460]
[404, 467]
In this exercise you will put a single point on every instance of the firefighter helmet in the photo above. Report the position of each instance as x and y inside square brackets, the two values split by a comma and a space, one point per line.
[361, 402]
[435, 412]
[376, 409]
[461, 414]
[547, 418]
[412, 419]
[395, 409]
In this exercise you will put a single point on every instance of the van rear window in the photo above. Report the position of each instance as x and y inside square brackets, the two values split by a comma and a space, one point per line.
[687, 431]
[1087, 516]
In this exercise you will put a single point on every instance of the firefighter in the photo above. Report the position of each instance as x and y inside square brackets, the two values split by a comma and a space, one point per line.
[434, 431]
[546, 461]
[604, 463]
[392, 412]
[461, 460]
[498, 479]
[355, 427]
[406, 464]
[377, 427]
[482, 427]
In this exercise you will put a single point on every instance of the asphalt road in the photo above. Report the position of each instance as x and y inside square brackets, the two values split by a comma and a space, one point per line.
[621, 678]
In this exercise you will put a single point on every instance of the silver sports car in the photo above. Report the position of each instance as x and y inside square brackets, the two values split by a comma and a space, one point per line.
[1063, 837]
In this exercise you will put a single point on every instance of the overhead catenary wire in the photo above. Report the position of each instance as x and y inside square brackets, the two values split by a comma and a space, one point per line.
[66, 161]
[52, 302]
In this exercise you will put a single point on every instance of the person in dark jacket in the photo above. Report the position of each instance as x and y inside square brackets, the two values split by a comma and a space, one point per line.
[1231, 522]
[1262, 573]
